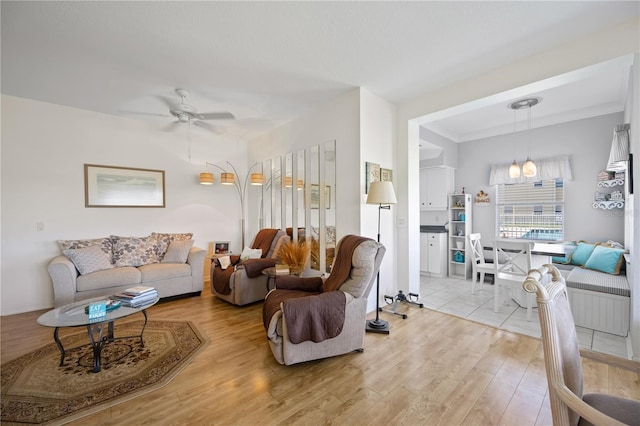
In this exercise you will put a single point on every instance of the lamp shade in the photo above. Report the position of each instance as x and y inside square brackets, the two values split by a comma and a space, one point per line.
[206, 178]
[619, 154]
[381, 193]
[257, 179]
[227, 178]
[514, 170]
[529, 168]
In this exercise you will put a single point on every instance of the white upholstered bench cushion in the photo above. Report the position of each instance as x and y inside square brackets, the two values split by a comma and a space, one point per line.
[586, 279]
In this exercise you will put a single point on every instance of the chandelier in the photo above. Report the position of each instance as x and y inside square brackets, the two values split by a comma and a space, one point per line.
[529, 168]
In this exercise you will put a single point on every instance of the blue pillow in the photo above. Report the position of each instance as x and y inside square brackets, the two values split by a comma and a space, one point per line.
[605, 259]
[581, 253]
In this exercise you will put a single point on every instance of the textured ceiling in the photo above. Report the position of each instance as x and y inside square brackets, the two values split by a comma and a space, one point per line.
[268, 62]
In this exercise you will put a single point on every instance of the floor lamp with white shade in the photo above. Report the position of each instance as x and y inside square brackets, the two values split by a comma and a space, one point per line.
[382, 194]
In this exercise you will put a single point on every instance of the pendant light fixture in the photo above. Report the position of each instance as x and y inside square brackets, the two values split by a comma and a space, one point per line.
[529, 168]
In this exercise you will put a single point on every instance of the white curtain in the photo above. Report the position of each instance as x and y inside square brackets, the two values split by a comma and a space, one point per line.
[548, 168]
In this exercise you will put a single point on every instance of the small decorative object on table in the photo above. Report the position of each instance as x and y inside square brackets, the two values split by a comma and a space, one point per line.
[282, 269]
[109, 306]
[97, 309]
[221, 247]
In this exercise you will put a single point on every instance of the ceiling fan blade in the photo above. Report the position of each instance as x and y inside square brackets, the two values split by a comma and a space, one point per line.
[207, 126]
[217, 116]
[154, 114]
[168, 102]
[171, 127]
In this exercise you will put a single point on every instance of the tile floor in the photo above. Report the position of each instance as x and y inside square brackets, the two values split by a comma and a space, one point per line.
[453, 296]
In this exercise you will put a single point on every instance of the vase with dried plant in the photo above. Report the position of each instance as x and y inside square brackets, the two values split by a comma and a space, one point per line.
[295, 254]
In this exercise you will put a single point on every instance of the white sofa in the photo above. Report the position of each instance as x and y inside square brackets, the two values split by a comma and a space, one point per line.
[171, 272]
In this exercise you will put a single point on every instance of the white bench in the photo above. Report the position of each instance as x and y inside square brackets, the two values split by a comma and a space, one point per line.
[598, 301]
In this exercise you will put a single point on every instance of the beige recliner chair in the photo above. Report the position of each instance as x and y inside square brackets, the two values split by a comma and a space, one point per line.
[242, 282]
[300, 314]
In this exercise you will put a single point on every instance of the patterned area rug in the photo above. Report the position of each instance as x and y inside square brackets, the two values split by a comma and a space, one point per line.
[36, 390]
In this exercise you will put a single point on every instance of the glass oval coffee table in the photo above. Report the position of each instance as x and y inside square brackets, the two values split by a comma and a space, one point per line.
[73, 315]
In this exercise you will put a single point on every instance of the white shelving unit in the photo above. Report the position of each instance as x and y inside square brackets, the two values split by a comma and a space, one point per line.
[611, 203]
[460, 225]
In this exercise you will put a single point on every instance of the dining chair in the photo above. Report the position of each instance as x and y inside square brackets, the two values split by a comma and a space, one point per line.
[478, 263]
[512, 264]
[569, 405]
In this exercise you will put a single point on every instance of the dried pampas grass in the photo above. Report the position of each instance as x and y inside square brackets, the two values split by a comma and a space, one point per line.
[295, 254]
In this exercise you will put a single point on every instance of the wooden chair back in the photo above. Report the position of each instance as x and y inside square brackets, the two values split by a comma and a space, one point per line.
[569, 407]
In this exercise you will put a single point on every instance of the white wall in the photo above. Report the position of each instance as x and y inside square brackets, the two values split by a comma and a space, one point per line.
[587, 142]
[363, 126]
[449, 155]
[336, 120]
[44, 147]
[378, 145]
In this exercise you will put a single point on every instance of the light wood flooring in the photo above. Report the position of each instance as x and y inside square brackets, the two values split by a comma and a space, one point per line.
[432, 369]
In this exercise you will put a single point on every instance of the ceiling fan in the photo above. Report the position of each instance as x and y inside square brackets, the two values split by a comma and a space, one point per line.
[186, 113]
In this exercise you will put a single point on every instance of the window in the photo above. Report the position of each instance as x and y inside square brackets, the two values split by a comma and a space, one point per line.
[532, 211]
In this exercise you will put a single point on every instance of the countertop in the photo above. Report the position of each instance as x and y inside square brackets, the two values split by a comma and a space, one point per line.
[434, 229]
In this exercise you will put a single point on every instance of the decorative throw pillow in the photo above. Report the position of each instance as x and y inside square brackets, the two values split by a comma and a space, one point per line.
[89, 259]
[134, 251]
[224, 261]
[104, 243]
[178, 252]
[581, 253]
[605, 259]
[249, 253]
[163, 241]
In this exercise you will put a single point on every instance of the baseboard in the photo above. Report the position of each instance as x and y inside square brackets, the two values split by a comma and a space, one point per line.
[180, 296]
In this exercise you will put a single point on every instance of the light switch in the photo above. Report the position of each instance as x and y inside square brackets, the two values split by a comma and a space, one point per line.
[40, 226]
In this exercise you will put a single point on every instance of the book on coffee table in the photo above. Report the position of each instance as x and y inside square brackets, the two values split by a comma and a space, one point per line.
[139, 290]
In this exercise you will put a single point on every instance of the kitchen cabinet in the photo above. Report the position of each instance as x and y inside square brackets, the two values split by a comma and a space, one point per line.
[433, 254]
[436, 183]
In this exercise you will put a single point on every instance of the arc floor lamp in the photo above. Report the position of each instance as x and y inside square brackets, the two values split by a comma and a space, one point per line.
[382, 194]
[229, 178]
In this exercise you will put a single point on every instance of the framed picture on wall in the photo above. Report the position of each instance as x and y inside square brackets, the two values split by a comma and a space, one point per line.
[372, 171]
[386, 175]
[110, 186]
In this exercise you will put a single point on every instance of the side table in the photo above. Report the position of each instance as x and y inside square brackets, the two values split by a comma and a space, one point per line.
[272, 275]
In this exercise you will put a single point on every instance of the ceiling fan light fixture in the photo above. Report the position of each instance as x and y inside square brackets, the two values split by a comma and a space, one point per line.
[514, 170]
[206, 178]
